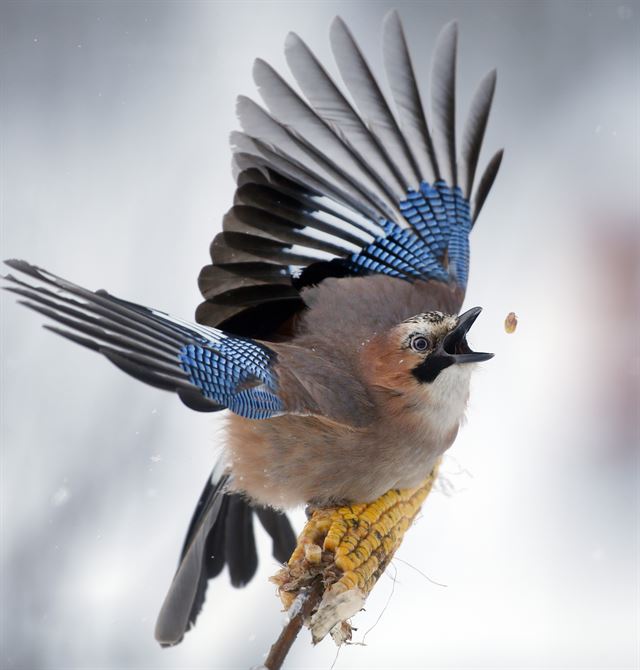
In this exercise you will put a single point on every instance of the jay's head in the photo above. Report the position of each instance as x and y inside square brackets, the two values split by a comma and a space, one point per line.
[422, 348]
[435, 341]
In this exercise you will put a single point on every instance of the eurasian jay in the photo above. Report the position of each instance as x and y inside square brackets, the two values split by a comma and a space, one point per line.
[330, 324]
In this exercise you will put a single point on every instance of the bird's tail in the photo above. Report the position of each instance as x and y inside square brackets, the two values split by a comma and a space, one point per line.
[220, 533]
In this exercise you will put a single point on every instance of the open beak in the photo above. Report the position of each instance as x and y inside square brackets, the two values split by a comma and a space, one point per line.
[455, 343]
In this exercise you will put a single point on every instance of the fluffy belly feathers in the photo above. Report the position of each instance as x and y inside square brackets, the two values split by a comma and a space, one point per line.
[293, 460]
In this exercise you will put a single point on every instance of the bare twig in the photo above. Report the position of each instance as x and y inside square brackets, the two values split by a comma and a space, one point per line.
[283, 644]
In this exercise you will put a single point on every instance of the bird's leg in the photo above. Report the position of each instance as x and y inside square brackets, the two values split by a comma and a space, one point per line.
[310, 509]
[346, 549]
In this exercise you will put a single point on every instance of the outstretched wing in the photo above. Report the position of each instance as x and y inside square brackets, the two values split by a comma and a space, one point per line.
[329, 189]
[210, 370]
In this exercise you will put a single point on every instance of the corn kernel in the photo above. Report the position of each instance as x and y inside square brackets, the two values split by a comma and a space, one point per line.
[358, 542]
[511, 323]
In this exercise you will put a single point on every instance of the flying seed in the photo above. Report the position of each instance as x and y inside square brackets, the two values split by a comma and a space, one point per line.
[510, 323]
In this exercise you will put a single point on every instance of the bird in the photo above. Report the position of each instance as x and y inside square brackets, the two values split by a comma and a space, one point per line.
[331, 326]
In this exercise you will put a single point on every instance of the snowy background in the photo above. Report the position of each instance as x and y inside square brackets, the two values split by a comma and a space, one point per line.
[115, 173]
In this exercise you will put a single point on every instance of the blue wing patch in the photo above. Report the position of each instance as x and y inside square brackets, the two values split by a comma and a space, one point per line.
[235, 373]
[440, 221]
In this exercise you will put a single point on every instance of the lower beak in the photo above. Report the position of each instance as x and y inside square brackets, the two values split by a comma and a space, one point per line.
[455, 343]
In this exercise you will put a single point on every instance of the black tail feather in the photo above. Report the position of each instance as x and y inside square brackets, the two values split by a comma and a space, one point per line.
[279, 528]
[240, 544]
[220, 533]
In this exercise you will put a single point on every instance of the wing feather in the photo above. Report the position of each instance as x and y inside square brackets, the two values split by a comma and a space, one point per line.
[331, 188]
[289, 108]
[406, 93]
[443, 99]
[331, 104]
[372, 104]
[486, 182]
[474, 130]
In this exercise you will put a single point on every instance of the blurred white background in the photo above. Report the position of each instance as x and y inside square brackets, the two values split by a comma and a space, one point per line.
[115, 172]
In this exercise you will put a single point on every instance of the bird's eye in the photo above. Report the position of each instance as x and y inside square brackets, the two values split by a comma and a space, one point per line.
[419, 343]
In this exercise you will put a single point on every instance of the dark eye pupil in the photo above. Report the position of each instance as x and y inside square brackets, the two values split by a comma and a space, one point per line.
[420, 343]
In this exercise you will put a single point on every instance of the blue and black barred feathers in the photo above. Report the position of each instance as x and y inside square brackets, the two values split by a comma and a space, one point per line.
[236, 373]
[331, 185]
[435, 247]
[207, 368]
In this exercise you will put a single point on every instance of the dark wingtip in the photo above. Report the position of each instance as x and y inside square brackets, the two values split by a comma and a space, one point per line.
[391, 15]
[23, 266]
[293, 40]
[18, 263]
[452, 25]
[486, 182]
[447, 32]
[392, 24]
[255, 67]
[338, 25]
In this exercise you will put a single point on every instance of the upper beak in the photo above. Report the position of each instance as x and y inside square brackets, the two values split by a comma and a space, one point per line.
[455, 343]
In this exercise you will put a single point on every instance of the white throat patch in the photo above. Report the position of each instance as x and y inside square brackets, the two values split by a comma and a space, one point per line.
[447, 396]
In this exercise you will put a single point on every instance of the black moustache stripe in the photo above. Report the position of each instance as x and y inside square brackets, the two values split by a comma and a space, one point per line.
[431, 367]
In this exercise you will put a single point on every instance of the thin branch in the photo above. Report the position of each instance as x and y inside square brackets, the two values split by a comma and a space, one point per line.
[283, 644]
